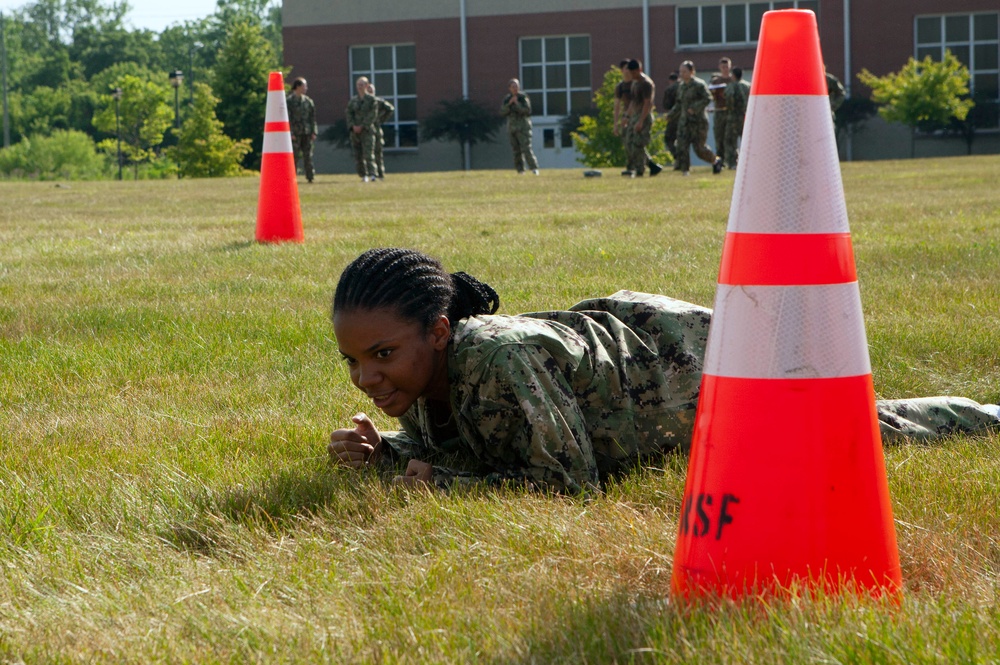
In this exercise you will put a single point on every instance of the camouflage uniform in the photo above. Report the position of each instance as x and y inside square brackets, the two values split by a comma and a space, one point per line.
[363, 111]
[737, 97]
[692, 128]
[302, 122]
[561, 400]
[636, 141]
[836, 91]
[519, 129]
[385, 111]
[721, 117]
[669, 103]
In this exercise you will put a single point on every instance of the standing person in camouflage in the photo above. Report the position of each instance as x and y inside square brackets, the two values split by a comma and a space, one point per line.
[362, 113]
[669, 102]
[835, 89]
[555, 400]
[302, 122]
[640, 122]
[385, 111]
[623, 102]
[516, 107]
[692, 127]
[717, 86]
[737, 98]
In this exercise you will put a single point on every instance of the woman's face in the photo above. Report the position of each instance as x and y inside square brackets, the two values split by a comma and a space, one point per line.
[392, 359]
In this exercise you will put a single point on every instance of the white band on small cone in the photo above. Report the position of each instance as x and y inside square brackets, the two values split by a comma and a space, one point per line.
[795, 184]
[787, 332]
[277, 109]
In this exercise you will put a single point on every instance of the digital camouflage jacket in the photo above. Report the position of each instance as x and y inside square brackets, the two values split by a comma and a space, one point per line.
[560, 400]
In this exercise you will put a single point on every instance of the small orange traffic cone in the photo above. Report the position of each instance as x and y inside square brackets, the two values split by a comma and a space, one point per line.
[786, 483]
[278, 214]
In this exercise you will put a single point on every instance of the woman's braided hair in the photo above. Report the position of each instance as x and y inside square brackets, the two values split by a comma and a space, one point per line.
[413, 284]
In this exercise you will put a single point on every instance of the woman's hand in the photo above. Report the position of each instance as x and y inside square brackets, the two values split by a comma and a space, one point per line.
[356, 447]
[418, 474]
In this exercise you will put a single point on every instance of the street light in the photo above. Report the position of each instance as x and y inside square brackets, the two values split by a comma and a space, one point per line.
[176, 79]
[118, 127]
[191, 50]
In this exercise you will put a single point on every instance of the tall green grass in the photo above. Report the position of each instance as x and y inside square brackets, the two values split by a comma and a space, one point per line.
[167, 387]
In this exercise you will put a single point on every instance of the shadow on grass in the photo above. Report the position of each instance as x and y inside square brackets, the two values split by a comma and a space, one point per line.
[283, 501]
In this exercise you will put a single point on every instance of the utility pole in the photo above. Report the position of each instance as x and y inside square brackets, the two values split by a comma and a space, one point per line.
[3, 69]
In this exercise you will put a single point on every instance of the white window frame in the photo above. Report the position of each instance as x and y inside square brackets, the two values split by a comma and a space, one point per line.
[750, 40]
[972, 42]
[539, 96]
[395, 123]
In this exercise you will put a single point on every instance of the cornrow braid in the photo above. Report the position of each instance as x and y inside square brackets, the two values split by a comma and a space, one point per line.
[413, 284]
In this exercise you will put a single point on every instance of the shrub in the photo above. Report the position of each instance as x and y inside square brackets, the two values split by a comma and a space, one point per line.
[64, 155]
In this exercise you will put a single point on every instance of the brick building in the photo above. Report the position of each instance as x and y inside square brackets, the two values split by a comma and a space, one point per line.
[420, 53]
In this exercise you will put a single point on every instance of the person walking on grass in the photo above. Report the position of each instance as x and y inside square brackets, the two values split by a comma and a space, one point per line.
[516, 107]
[692, 125]
[557, 400]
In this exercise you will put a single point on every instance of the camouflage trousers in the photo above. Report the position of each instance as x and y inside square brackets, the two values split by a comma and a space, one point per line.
[670, 138]
[928, 418]
[719, 126]
[734, 132]
[692, 135]
[379, 160]
[636, 156]
[302, 148]
[363, 145]
[520, 143]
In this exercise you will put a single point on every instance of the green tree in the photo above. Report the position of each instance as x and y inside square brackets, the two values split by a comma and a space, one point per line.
[595, 138]
[145, 114]
[461, 120]
[203, 150]
[923, 95]
[240, 82]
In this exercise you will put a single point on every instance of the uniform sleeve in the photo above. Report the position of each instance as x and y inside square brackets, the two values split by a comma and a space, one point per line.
[505, 106]
[700, 99]
[523, 107]
[528, 423]
[928, 418]
[311, 119]
[352, 117]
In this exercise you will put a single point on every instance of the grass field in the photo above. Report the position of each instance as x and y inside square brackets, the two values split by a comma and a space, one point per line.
[167, 387]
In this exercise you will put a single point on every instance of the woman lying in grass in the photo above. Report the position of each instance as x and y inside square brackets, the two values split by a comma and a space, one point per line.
[558, 400]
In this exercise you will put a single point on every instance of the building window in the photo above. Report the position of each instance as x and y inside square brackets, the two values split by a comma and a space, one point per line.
[393, 70]
[555, 74]
[972, 38]
[729, 24]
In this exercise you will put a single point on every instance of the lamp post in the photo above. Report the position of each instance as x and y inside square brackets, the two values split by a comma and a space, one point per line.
[118, 127]
[176, 79]
[191, 50]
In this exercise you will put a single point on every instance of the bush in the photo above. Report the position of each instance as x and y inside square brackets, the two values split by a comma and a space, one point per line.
[65, 155]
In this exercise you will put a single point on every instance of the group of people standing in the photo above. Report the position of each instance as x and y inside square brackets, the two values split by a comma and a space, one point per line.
[687, 101]
[365, 114]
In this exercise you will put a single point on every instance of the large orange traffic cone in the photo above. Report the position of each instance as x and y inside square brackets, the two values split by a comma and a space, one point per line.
[786, 483]
[278, 214]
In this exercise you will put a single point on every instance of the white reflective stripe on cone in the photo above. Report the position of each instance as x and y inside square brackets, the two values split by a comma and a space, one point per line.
[795, 184]
[787, 332]
[277, 142]
[277, 109]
